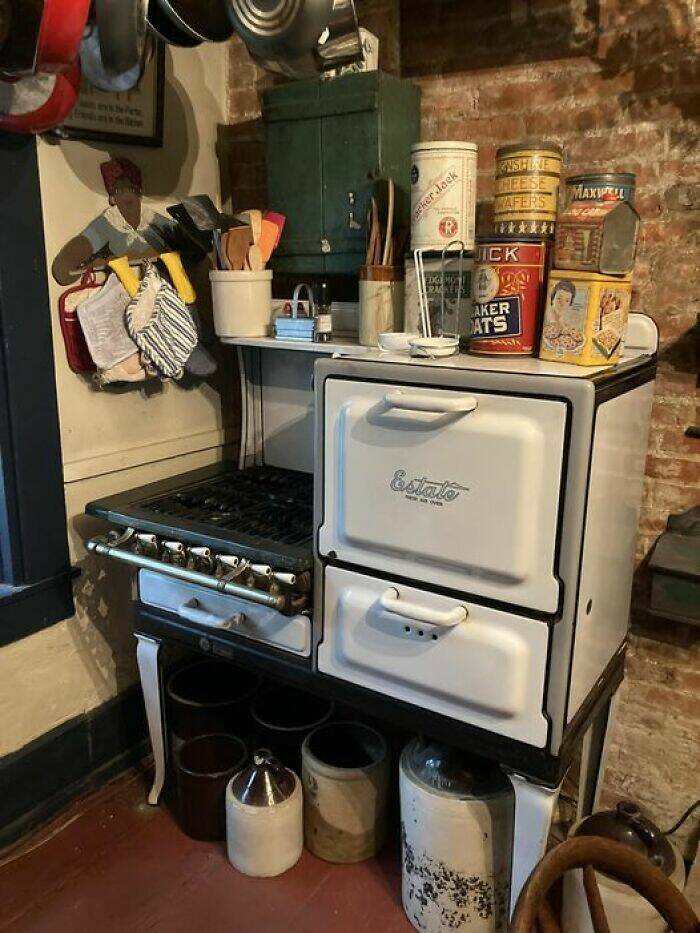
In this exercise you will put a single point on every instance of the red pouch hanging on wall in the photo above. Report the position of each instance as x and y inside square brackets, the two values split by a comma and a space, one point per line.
[77, 353]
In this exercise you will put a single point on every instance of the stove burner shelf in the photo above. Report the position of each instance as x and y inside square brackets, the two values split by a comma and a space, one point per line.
[262, 513]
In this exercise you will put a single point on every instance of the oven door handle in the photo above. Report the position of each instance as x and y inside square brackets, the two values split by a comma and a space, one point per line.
[191, 612]
[391, 602]
[414, 401]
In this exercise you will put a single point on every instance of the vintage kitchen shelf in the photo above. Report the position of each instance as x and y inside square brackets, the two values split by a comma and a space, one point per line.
[340, 344]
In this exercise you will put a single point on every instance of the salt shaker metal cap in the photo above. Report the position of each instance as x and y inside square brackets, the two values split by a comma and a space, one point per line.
[265, 783]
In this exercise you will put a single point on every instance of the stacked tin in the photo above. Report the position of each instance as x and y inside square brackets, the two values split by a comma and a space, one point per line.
[589, 287]
[509, 274]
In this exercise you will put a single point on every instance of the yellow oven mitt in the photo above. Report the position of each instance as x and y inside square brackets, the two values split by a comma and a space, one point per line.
[179, 277]
[125, 274]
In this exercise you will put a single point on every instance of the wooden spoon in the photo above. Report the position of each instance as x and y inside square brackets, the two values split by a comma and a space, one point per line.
[254, 219]
[389, 224]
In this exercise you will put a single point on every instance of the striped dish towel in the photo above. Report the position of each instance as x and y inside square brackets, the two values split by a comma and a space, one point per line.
[169, 335]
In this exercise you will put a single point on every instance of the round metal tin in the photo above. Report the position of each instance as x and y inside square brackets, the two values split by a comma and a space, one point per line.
[595, 187]
[527, 188]
[507, 285]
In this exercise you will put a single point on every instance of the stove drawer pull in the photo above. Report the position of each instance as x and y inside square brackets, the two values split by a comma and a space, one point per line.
[390, 601]
[414, 401]
[191, 612]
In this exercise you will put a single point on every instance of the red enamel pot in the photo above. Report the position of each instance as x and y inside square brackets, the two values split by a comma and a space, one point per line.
[39, 102]
[60, 33]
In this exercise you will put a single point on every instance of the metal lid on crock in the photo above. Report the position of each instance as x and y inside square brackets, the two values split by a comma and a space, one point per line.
[626, 824]
[451, 771]
[265, 783]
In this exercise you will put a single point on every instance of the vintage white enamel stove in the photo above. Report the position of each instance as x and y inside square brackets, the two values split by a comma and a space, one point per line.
[472, 546]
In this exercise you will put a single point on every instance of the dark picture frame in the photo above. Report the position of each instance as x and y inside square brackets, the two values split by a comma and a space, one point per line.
[87, 123]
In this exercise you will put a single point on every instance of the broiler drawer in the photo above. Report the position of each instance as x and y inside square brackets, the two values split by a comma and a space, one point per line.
[454, 488]
[219, 612]
[469, 662]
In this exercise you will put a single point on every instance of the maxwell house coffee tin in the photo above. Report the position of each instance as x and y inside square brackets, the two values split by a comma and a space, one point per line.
[527, 188]
[619, 185]
[507, 285]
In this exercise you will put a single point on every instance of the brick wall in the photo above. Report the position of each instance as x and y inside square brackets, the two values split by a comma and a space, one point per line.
[617, 84]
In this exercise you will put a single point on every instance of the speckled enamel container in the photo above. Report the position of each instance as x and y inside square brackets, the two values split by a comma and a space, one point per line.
[456, 855]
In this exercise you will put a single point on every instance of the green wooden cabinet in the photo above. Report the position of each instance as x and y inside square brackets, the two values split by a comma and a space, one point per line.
[328, 142]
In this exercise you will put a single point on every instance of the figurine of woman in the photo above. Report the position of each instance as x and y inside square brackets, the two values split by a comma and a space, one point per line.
[125, 227]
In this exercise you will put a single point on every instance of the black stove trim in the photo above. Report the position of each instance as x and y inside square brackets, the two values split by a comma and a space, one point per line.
[123, 509]
[535, 763]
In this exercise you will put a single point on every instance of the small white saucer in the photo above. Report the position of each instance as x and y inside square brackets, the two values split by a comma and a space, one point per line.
[434, 346]
[396, 342]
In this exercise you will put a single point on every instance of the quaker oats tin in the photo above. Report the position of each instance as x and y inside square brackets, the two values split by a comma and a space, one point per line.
[620, 185]
[507, 285]
[443, 194]
[585, 317]
[527, 188]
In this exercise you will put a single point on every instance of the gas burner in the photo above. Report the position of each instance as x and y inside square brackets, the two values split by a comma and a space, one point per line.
[262, 515]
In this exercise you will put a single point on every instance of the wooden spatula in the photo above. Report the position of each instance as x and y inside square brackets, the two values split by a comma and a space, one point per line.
[238, 242]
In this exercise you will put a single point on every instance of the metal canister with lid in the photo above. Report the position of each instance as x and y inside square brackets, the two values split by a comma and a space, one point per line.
[507, 291]
[443, 194]
[626, 911]
[527, 187]
[596, 187]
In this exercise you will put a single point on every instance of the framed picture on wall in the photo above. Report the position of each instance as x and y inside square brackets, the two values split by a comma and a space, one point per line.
[132, 117]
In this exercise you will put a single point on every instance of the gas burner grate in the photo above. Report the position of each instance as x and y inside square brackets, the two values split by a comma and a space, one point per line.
[261, 502]
[263, 514]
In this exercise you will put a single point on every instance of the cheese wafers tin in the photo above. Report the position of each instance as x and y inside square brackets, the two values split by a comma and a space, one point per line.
[527, 188]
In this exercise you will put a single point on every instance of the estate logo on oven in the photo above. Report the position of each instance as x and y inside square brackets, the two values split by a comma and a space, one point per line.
[423, 489]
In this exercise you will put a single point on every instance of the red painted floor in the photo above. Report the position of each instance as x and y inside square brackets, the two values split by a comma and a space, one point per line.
[112, 863]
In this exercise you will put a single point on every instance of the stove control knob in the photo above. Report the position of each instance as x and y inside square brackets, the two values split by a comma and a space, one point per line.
[175, 551]
[147, 544]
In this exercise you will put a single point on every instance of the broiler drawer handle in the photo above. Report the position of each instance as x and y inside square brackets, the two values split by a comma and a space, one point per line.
[414, 401]
[191, 612]
[390, 601]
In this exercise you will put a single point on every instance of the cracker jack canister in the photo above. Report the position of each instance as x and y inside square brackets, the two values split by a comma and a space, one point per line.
[527, 188]
[443, 194]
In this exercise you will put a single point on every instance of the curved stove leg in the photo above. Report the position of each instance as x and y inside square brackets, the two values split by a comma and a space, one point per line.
[147, 657]
[534, 806]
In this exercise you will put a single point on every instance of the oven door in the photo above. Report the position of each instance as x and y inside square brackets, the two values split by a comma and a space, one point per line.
[453, 488]
[469, 662]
